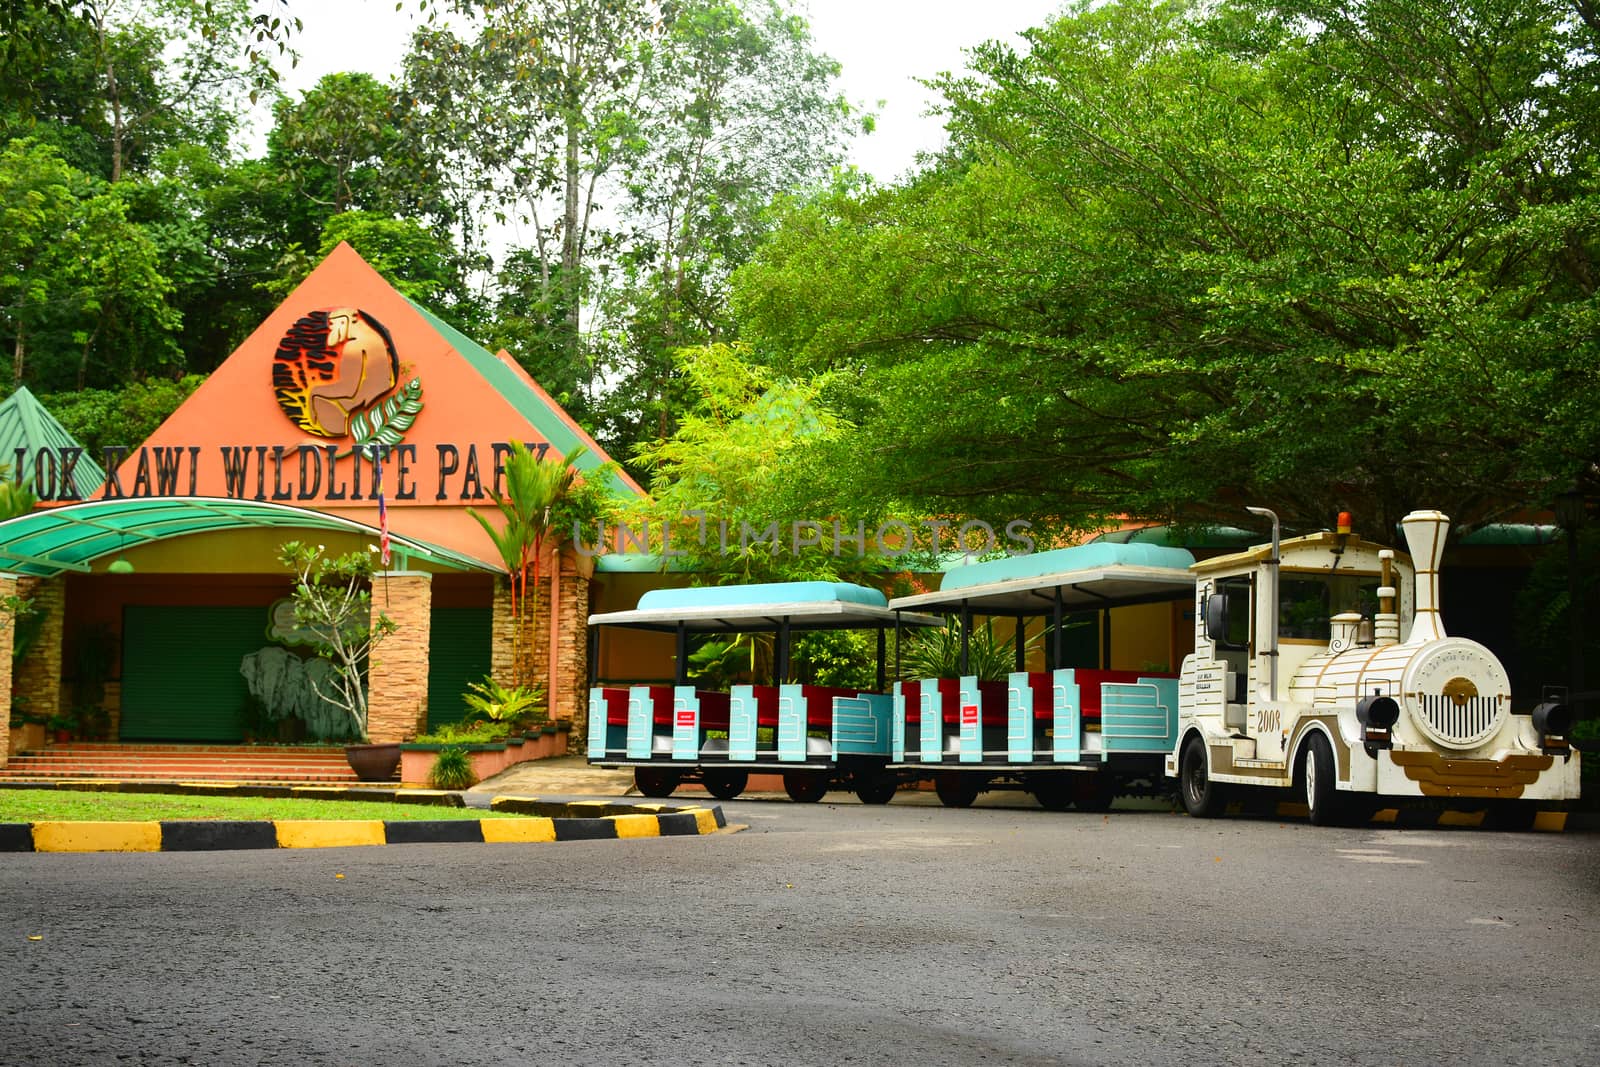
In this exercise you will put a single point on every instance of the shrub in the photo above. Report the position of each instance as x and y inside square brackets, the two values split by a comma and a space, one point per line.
[452, 769]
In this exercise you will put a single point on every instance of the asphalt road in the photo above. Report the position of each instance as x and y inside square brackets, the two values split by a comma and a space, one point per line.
[821, 935]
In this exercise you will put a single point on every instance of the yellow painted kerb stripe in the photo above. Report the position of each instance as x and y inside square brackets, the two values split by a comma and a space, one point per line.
[512, 831]
[329, 833]
[97, 836]
[705, 819]
[637, 825]
[1550, 821]
[1461, 818]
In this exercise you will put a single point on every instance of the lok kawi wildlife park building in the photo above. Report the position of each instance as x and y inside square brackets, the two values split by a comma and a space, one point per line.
[154, 569]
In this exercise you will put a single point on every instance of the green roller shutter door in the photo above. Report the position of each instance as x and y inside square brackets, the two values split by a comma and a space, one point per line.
[458, 655]
[180, 671]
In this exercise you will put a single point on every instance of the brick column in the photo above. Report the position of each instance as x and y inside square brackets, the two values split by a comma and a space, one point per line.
[38, 676]
[8, 586]
[571, 682]
[567, 691]
[397, 675]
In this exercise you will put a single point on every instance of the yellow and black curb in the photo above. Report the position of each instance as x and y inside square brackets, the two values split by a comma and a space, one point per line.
[544, 821]
[1418, 818]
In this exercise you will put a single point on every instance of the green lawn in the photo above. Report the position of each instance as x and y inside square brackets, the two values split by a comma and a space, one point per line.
[38, 805]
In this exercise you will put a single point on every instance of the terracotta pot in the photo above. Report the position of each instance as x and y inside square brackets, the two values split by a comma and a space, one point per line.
[373, 763]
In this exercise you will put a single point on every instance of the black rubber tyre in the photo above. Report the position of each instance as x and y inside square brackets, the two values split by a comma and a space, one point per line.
[877, 792]
[1318, 779]
[1202, 798]
[725, 785]
[804, 787]
[956, 790]
[1052, 791]
[656, 781]
[1094, 791]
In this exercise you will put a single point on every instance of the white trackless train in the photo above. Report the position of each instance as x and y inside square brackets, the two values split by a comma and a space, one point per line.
[1321, 664]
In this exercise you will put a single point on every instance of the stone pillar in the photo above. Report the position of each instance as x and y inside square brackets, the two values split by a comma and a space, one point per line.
[565, 673]
[571, 661]
[502, 633]
[397, 674]
[38, 676]
[8, 587]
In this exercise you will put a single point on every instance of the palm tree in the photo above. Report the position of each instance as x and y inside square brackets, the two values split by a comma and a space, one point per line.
[534, 490]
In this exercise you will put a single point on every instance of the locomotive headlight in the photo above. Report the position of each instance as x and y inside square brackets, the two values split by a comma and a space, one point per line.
[1553, 718]
[1378, 712]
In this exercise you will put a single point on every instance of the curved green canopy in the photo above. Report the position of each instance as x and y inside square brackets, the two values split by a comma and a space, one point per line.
[50, 541]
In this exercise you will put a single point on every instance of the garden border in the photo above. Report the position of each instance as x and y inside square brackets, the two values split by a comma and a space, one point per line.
[589, 820]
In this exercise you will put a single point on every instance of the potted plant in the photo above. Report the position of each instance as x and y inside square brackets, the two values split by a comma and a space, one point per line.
[333, 601]
[61, 727]
[515, 708]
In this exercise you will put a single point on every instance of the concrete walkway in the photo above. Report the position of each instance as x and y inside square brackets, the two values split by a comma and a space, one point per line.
[568, 775]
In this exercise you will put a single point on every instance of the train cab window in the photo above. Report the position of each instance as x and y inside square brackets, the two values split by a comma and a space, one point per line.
[1308, 602]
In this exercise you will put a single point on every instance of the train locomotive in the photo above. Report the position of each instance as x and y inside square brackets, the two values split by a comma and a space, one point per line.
[1322, 665]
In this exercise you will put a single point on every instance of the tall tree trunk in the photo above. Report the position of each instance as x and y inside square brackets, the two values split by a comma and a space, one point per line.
[17, 358]
[114, 98]
[569, 235]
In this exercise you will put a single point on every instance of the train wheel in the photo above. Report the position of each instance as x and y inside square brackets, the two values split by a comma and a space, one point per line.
[1095, 791]
[1202, 798]
[1319, 777]
[877, 792]
[725, 785]
[805, 788]
[656, 781]
[1052, 791]
[956, 790]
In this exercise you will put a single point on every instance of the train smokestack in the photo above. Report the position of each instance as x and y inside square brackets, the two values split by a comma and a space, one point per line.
[1425, 535]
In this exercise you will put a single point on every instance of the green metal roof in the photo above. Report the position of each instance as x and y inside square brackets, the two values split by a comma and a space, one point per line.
[50, 541]
[527, 403]
[25, 424]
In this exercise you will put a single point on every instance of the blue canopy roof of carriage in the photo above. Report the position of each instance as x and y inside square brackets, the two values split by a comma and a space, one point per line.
[1096, 575]
[763, 606]
[51, 541]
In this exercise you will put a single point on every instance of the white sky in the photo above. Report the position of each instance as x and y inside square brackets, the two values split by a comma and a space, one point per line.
[883, 46]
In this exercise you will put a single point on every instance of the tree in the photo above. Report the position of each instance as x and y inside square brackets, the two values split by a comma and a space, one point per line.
[737, 110]
[333, 600]
[1177, 261]
[725, 481]
[76, 267]
[639, 145]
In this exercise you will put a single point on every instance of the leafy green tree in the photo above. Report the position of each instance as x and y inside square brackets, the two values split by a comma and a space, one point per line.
[125, 416]
[76, 268]
[333, 601]
[724, 480]
[1180, 259]
[741, 110]
[637, 146]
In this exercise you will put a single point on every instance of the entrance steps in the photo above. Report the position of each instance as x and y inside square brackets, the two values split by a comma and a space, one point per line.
[257, 764]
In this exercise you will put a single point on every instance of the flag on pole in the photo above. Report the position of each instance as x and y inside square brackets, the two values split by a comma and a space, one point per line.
[383, 510]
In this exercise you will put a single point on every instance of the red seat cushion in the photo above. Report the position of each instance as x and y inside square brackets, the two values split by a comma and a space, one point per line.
[1089, 683]
[766, 697]
[713, 710]
[616, 705]
[819, 704]
[660, 697]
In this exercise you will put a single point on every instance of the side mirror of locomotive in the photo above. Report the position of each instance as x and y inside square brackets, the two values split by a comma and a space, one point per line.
[1217, 616]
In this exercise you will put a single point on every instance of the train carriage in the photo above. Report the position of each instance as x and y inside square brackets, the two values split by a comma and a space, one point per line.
[1070, 734]
[816, 737]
